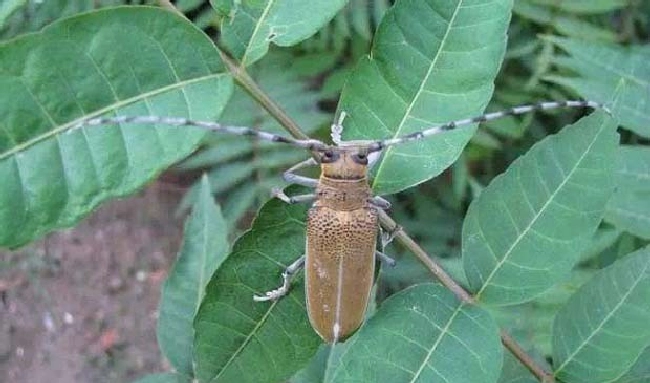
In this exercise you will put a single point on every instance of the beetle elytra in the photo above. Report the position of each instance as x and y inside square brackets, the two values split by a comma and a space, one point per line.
[342, 223]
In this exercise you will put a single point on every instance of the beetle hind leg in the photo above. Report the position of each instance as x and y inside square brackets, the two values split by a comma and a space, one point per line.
[287, 275]
[385, 259]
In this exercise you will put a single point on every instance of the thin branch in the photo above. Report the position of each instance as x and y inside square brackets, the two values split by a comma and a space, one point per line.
[464, 296]
[242, 77]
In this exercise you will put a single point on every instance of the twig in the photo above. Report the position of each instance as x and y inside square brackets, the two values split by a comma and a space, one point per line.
[540, 373]
[242, 77]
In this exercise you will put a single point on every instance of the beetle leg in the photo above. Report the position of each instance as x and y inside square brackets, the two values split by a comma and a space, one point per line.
[385, 258]
[278, 193]
[379, 202]
[291, 177]
[281, 291]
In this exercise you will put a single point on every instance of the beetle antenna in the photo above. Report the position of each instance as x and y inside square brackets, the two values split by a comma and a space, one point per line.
[377, 146]
[314, 145]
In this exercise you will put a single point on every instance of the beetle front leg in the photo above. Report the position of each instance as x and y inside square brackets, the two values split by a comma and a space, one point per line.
[291, 177]
[380, 202]
[278, 193]
[283, 290]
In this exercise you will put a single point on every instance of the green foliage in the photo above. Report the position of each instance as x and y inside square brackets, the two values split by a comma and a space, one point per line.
[526, 230]
[53, 173]
[520, 233]
[411, 338]
[599, 342]
[410, 83]
[204, 248]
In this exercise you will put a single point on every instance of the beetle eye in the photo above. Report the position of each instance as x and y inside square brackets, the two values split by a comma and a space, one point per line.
[360, 158]
[328, 157]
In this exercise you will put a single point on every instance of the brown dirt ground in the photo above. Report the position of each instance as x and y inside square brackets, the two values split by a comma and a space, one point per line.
[80, 305]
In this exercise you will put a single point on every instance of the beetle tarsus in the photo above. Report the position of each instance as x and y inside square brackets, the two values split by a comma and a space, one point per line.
[283, 290]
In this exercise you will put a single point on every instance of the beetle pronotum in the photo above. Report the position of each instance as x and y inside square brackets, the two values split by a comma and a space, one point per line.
[342, 223]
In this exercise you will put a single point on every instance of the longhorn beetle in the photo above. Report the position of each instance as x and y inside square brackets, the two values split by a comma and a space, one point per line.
[342, 224]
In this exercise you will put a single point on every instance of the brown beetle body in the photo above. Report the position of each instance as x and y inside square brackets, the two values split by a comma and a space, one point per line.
[340, 258]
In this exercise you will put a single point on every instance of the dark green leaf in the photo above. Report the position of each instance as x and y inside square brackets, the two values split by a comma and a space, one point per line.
[423, 334]
[412, 81]
[123, 60]
[239, 340]
[205, 246]
[603, 328]
[528, 227]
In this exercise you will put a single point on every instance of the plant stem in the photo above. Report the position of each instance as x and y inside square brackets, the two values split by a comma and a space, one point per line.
[463, 295]
[246, 82]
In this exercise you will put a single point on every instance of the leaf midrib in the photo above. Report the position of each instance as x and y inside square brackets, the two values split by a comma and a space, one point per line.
[532, 222]
[397, 133]
[605, 319]
[111, 107]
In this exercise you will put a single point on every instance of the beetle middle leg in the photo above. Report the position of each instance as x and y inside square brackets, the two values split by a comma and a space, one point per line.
[283, 290]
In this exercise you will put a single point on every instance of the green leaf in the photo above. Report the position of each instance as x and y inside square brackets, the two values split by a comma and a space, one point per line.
[515, 372]
[205, 246]
[612, 74]
[423, 334]
[164, 378]
[527, 228]
[412, 81]
[603, 329]
[239, 340]
[629, 209]
[119, 61]
[247, 28]
[640, 372]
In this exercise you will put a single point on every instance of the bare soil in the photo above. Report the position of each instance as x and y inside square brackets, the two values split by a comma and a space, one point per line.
[80, 305]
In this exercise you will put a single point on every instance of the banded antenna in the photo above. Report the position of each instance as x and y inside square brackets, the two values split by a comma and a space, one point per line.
[319, 146]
